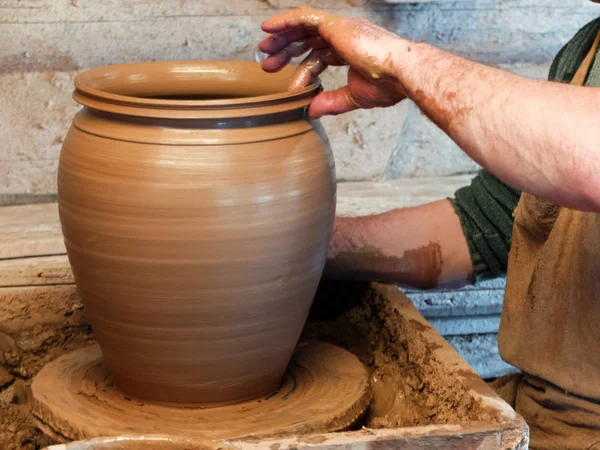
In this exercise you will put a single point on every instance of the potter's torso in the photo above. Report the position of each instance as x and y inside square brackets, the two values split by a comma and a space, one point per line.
[551, 319]
[550, 323]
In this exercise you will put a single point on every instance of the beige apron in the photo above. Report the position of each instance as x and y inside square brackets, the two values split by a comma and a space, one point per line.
[550, 325]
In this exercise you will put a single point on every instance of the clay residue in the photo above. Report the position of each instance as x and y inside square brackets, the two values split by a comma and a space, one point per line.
[410, 387]
[22, 355]
[447, 116]
[17, 429]
[419, 267]
[549, 324]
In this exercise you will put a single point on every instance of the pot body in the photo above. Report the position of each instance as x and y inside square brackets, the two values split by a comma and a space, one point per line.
[197, 246]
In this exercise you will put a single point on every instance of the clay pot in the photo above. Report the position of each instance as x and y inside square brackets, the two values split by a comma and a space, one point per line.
[197, 204]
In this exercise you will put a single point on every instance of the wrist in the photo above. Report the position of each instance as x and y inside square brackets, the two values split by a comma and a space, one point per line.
[401, 58]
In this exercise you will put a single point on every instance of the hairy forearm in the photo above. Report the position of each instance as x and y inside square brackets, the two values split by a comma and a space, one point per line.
[421, 247]
[537, 136]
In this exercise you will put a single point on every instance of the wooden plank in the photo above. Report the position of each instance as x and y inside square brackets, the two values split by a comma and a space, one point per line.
[26, 199]
[44, 270]
[375, 197]
[435, 438]
[32, 230]
[23, 308]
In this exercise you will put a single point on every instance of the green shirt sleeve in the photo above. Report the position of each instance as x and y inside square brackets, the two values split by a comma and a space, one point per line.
[485, 209]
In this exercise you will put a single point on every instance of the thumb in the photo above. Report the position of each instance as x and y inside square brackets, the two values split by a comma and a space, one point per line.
[332, 103]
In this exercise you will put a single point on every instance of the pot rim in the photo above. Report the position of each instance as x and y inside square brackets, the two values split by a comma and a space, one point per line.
[95, 87]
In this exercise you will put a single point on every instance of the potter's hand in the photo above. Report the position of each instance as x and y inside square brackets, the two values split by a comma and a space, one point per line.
[335, 41]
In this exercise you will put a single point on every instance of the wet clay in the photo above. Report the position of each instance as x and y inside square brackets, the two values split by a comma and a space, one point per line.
[197, 204]
[408, 388]
[549, 325]
[325, 389]
[23, 353]
[419, 267]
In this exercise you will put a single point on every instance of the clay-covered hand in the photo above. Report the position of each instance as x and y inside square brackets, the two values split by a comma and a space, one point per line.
[367, 49]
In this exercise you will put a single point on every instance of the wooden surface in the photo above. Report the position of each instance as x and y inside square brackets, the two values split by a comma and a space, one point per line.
[32, 250]
[374, 197]
[32, 230]
[35, 278]
[41, 270]
[29, 231]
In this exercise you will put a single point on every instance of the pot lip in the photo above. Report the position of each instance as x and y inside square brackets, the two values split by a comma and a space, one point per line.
[83, 90]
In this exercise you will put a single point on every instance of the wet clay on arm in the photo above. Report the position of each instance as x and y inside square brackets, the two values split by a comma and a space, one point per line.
[421, 247]
[538, 136]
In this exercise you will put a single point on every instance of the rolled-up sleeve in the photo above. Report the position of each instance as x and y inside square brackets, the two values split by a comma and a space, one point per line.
[485, 209]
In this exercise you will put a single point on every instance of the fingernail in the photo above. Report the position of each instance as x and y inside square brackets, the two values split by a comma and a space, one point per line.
[296, 85]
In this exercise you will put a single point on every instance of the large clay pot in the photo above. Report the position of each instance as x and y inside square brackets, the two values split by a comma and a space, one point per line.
[197, 203]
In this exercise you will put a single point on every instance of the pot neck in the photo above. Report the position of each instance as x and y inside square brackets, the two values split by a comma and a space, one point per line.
[210, 90]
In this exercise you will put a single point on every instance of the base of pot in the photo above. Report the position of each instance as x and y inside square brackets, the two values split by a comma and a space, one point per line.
[325, 389]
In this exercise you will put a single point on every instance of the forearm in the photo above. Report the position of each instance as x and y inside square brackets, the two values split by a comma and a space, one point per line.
[535, 135]
[421, 247]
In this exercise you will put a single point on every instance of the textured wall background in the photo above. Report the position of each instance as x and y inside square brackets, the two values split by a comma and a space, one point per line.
[44, 42]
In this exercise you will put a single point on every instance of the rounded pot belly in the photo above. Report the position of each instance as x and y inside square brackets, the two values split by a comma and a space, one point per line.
[197, 257]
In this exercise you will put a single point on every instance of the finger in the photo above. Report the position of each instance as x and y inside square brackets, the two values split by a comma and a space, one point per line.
[276, 62]
[317, 42]
[277, 42]
[332, 103]
[308, 70]
[303, 17]
[332, 58]
[297, 48]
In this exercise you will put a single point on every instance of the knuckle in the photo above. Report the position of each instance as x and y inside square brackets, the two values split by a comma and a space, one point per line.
[305, 11]
[349, 99]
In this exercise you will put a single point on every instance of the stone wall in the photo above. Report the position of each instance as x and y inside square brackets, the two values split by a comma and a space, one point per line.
[44, 42]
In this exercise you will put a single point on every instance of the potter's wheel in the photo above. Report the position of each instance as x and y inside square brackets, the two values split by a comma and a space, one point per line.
[325, 389]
